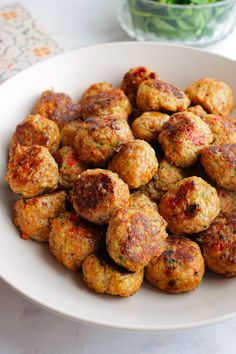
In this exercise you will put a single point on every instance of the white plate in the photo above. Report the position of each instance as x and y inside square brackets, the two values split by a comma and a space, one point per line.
[28, 267]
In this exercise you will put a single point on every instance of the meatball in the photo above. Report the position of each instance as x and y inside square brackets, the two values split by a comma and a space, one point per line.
[133, 78]
[95, 89]
[197, 110]
[32, 170]
[135, 236]
[37, 130]
[183, 138]
[231, 120]
[189, 206]
[32, 216]
[157, 95]
[224, 132]
[68, 132]
[139, 200]
[70, 166]
[72, 239]
[180, 267]
[135, 163]
[98, 193]
[227, 200]
[148, 125]
[219, 162]
[110, 102]
[104, 276]
[218, 245]
[214, 96]
[58, 107]
[97, 140]
[166, 176]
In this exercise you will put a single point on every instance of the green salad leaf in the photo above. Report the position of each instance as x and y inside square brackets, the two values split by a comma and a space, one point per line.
[180, 22]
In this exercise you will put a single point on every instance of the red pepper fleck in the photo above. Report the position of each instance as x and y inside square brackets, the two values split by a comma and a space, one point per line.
[25, 236]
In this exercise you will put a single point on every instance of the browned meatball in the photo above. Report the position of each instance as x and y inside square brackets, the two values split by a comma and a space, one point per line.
[219, 162]
[111, 102]
[97, 140]
[135, 163]
[180, 267]
[148, 125]
[37, 130]
[58, 107]
[139, 200]
[104, 276]
[214, 96]
[158, 95]
[98, 193]
[68, 132]
[227, 200]
[72, 239]
[166, 176]
[198, 110]
[218, 244]
[32, 216]
[224, 132]
[32, 170]
[95, 89]
[135, 236]
[190, 206]
[183, 138]
[133, 78]
[70, 166]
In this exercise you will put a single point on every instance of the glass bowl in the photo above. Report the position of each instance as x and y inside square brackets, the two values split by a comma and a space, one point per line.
[196, 25]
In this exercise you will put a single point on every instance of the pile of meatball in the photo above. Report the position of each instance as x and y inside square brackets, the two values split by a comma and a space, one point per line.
[131, 182]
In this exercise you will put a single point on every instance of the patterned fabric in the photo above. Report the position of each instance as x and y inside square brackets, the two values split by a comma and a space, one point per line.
[23, 41]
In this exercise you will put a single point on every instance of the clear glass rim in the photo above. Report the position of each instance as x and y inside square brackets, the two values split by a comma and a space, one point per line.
[185, 6]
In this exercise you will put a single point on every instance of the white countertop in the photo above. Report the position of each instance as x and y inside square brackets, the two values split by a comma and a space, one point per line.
[26, 328]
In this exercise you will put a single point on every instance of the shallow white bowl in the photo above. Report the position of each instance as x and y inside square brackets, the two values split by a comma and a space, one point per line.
[29, 268]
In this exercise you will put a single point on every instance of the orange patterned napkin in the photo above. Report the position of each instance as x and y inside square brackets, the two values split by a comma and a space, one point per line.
[23, 41]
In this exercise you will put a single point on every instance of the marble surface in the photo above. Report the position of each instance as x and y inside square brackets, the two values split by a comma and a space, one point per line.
[26, 328]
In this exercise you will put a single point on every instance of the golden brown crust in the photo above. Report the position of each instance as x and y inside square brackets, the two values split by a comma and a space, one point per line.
[189, 206]
[133, 78]
[37, 130]
[224, 131]
[219, 162]
[166, 176]
[197, 110]
[227, 200]
[158, 95]
[95, 89]
[68, 132]
[179, 268]
[139, 200]
[218, 244]
[32, 216]
[58, 107]
[214, 96]
[32, 170]
[148, 126]
[98, 193]
[72, 239]
[111, 102]
[97, 140]
[135, 236]
[69, 165]
[104, 276]
[135, 163]
[183, 137]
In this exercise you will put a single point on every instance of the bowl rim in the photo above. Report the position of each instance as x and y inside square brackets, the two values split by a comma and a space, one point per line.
[84, 319]
[220, 3]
